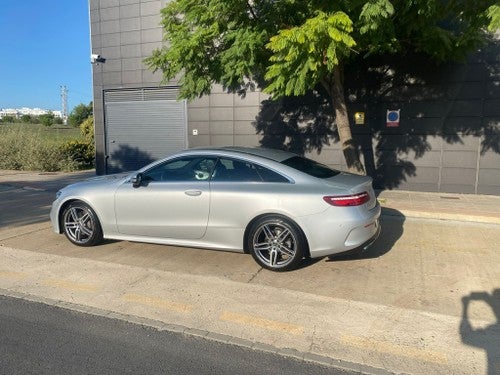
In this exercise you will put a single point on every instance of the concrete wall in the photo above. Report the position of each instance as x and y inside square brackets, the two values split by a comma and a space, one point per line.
[123, 32]
[448, 139]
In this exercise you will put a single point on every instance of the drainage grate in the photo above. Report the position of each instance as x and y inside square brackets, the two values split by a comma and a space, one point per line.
[450, 198]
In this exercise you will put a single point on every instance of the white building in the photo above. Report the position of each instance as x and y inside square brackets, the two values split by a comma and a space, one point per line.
[18, 112]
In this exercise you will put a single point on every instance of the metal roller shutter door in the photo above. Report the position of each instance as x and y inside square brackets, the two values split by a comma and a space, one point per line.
[142, 126]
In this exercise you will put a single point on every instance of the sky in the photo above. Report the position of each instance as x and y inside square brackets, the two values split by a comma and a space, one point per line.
[44, 45]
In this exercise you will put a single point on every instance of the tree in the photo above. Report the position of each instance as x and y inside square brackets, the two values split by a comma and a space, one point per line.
[288, 47]
[80, 113]
[8, 119]
[26, 119]
[47, 119]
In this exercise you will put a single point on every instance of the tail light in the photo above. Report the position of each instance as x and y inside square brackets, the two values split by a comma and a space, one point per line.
[347, 200]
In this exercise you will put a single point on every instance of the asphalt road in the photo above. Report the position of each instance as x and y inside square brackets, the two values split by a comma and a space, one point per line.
[41, 339]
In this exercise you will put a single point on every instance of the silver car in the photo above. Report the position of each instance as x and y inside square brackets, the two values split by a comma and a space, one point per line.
[276, 205]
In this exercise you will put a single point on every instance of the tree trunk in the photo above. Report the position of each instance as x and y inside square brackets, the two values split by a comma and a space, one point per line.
[336, 91]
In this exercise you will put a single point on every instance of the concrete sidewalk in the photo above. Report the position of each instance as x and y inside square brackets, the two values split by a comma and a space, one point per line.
[365, 337]
[441, 206]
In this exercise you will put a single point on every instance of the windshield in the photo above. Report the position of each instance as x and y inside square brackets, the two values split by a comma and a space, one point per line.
[310, 167]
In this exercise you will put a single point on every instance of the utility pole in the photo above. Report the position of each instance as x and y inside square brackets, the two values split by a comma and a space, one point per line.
[64, 101]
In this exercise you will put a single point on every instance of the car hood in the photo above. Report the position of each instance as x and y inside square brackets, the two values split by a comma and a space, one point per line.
[99, 181]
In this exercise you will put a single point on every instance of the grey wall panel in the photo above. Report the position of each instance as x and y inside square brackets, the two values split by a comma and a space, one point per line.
[130, 24]
[130, 11]
[460, 159]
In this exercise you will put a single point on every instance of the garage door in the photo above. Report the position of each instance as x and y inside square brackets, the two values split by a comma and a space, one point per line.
[142, 125]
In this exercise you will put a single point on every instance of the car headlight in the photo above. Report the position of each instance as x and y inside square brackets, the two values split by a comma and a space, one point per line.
[58, 194]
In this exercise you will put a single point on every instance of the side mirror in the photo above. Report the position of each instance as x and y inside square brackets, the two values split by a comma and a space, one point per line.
[137, 180]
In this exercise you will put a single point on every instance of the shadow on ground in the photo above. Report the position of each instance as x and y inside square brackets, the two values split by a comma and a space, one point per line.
[488, 337]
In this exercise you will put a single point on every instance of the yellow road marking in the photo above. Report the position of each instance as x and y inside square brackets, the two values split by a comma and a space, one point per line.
[13, 275]
[260, 322]
[399, 350]
[71, 285]
[157, 302]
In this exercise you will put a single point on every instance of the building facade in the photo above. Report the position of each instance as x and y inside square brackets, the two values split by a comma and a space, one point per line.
[445, 137]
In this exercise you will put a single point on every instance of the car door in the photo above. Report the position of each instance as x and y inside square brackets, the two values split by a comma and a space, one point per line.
[173, 200]
[251, 188]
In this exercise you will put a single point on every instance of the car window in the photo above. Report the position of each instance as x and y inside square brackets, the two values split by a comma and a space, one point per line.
[310, 167]
[235, 170]
[191, 168]
[243, 171]
[268, 175]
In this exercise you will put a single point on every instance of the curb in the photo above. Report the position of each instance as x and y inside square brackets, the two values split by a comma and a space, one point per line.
[193, 332]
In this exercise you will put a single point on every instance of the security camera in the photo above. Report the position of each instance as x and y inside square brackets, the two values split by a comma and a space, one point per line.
[95, 58]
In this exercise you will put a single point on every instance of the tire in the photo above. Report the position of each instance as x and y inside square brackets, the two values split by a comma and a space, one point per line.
[276, 243]
[81, 225]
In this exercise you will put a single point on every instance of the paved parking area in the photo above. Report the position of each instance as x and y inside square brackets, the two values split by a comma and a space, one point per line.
[398, 307]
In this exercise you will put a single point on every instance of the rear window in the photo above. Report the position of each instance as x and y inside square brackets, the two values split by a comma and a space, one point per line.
[310, 167]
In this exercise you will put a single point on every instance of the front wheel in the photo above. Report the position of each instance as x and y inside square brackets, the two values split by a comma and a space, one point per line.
[276, 243]
[81, 225]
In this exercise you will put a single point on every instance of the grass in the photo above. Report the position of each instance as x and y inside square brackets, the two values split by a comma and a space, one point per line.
[55, 133]
[35, 147]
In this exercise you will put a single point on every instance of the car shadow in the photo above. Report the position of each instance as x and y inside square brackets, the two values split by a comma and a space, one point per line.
[392, 228]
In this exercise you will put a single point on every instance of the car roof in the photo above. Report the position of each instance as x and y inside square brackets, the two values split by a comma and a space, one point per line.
[268, 153]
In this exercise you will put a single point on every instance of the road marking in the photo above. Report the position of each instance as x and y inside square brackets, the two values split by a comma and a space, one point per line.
[13, 275]
[70, 285]
[398, 350]
[157, 302]
[261, 322]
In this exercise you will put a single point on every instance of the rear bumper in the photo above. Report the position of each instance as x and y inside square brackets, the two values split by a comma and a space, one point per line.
[370, 242]
[335, 234]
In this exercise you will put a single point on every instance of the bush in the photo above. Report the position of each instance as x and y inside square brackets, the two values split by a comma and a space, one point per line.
[87, 129]
[8, 119]
[80, 154]
[18, 151]
[47, 119]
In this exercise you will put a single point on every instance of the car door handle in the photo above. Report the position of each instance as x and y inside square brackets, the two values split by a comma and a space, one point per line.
[193, 193]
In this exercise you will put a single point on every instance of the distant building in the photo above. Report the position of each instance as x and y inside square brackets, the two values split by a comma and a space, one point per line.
[17, 113]
[9, 112]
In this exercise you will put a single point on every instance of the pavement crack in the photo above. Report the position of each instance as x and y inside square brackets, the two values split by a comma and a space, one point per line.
[138, 280]
[311, 347]
[255, 275]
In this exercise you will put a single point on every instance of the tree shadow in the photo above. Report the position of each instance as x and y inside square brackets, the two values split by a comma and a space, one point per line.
[392, 228]
[127, 158]
[448, 102]
[298, 124]
[487, 338]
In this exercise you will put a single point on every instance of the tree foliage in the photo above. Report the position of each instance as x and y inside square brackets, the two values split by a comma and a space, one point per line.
[287, 47]
[47, 119]
[80, 113]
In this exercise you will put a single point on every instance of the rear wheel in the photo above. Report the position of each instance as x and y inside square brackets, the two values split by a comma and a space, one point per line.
[276, 243]
[81, 225]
